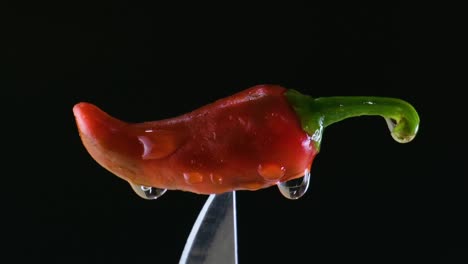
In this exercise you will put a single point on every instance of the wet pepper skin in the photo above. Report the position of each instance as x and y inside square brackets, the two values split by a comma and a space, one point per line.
[248, 141]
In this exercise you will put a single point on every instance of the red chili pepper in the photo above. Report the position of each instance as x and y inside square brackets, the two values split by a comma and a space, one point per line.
[254, 139]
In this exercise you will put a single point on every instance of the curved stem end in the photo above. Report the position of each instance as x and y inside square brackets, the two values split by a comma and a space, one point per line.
[317, 113]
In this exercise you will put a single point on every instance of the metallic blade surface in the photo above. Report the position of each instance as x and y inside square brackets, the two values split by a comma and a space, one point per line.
[213, 238]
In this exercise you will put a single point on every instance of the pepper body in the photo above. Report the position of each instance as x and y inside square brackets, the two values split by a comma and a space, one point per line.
[248, 141]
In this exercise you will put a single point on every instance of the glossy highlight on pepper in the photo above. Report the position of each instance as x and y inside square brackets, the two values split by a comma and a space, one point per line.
[263, 136]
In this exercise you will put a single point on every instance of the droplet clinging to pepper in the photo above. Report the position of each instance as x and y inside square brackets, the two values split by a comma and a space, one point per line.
[263, 136]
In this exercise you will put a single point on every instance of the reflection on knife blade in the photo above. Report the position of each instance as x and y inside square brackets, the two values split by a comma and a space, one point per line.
[213, 238]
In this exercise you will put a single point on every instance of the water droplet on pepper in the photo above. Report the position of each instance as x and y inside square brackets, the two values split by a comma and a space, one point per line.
[193, 177]
[158, 144]
[216, 179]
[391, 123]
[147, 192]
[399, 137]
[271, 171]
[296, 188]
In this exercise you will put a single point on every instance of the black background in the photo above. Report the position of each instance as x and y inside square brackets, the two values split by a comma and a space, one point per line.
[371, 200]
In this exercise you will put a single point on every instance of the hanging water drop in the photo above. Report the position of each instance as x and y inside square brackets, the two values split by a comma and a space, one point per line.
[296, 188]
[391, 123]
[146, 192]
[398, 136]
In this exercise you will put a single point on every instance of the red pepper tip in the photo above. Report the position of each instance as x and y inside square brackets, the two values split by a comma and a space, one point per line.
[82, 112]
[92, 121]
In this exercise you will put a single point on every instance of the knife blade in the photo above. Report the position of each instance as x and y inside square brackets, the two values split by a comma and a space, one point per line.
[213, 238]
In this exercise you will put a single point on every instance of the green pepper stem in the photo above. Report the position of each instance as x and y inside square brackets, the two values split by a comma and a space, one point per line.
[318, 113]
